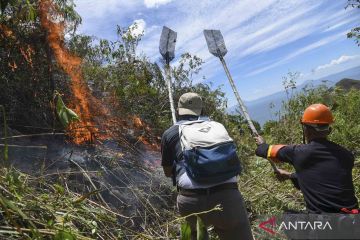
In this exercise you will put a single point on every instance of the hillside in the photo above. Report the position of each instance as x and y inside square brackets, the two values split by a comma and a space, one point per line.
[261, 111]
[348, 84]
[81, 124]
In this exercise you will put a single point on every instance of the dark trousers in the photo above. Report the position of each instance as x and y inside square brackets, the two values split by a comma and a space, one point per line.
[231, 223]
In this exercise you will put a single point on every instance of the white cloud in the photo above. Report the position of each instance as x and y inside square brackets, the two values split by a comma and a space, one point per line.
[103, 9]
[137, 28]
[300, 51]
[249, 27]
[259, 35]
[155, 3]
[228, 16]
[99, 18]
[340, 60]
[339, 24]
[282, 30]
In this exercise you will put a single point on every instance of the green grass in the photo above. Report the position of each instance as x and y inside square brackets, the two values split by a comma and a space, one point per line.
[39, 208]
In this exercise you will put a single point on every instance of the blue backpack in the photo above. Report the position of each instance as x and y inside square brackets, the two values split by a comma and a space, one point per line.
[209, 152]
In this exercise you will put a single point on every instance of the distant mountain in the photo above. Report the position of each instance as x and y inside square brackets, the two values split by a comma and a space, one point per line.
[347, 84]
[264, 109]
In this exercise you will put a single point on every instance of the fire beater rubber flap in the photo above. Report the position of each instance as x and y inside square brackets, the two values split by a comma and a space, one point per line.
[215, 42]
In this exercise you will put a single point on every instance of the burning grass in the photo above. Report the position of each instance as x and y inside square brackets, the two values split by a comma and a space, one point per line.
[6, 32]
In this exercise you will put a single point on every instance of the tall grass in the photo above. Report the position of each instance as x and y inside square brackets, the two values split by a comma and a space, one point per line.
[6, 146]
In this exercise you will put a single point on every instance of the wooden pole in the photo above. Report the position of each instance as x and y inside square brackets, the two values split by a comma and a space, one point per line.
[169, 85]
[243, 107]
[241, 103]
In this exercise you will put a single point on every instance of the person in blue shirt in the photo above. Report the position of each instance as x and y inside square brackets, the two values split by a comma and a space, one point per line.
[193, 197]
[323, 169]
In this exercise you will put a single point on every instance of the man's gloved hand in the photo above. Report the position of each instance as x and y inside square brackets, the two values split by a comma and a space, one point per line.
[282, 175]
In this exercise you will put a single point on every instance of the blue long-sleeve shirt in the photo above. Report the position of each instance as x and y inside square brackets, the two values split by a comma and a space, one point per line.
[323, 174]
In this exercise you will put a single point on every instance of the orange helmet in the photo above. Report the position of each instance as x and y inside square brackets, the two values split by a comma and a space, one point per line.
[317, 114]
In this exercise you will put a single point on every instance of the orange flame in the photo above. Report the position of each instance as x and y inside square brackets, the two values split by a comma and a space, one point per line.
[27, 54]
[85, 130]
[140, 125]
[88, 107]
[13, 66]
[137, 122]
[6, 32]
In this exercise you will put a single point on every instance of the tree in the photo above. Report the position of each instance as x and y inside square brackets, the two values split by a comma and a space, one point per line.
[114, 68]
[355, 32]
[29, 72]
[289, 83]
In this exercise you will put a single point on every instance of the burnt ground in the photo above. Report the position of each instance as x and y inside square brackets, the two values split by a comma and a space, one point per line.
[129, 179]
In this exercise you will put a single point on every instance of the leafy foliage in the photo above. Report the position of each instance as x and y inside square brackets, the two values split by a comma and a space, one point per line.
[29, 72]
[66, 115]
[283, 196]
[185, 231]
[200, 229]
[115, 70]
[346, 129]
[355, 32]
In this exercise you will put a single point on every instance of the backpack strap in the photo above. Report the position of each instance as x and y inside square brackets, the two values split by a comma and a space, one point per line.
[189, 122]
[178, 123]
[184, 123]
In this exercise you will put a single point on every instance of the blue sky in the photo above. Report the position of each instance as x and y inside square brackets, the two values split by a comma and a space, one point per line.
[265, 39]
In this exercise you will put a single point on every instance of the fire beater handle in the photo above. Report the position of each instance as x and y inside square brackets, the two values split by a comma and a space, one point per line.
[241, 103]
[169, 84]
[242, 106]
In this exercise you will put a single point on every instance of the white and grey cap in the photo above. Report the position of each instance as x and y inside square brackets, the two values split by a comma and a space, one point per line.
[190, 104]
